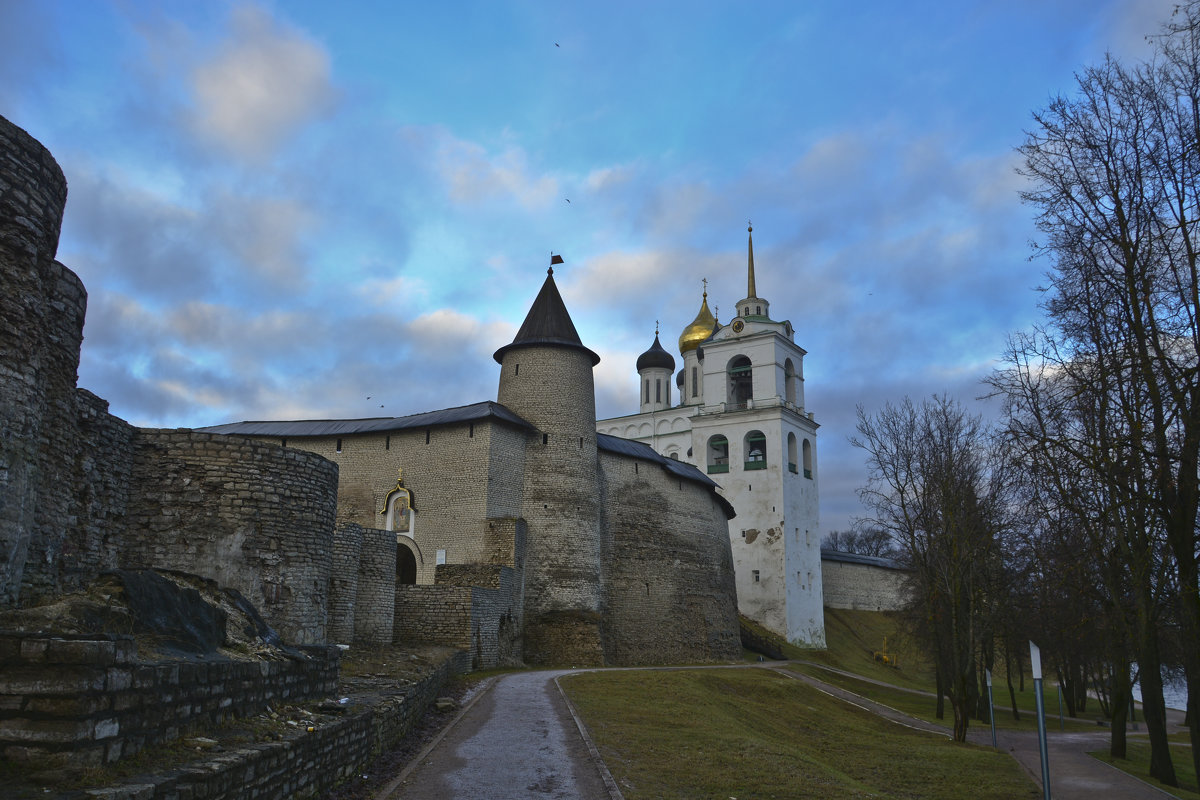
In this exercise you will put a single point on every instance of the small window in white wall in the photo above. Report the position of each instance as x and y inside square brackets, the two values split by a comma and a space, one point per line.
[441, 557]
[755, 574]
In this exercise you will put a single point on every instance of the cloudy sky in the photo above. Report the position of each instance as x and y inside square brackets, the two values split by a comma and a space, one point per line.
[282, 209]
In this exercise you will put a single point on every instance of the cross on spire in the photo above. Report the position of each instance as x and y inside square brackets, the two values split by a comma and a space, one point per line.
[750, 290]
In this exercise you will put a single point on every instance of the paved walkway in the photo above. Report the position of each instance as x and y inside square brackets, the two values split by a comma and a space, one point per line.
[518, 738]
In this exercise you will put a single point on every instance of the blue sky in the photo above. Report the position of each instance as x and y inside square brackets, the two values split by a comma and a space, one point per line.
[280, 209]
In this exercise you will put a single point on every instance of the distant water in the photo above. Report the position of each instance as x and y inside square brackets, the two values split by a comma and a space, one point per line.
[1174, 692]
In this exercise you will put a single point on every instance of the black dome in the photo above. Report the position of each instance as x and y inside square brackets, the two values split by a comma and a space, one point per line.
[656, 357]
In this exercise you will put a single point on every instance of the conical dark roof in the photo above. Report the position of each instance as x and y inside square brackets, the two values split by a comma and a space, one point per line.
[656, 356]
[547, 324]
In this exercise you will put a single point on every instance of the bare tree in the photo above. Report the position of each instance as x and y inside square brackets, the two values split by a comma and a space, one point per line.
[1096, 554]
[936, 487]
[870, 541]
[1115, 171]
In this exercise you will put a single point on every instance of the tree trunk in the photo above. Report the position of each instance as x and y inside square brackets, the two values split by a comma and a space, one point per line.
[1008, 673]
[1154, 709]
[1122, 699]
[940, 711]
[1193, 717]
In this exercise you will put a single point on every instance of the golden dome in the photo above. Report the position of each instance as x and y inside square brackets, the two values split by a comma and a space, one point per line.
[700, 329]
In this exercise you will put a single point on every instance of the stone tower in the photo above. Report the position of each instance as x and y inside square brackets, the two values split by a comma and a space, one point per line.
[546, 378]
[41, 327]
[741, 418]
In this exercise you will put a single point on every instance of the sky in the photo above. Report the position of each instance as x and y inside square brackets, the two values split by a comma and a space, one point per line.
[313, 210]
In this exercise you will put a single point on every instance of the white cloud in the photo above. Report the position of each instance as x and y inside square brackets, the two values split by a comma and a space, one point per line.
[266, 81]
[604, 178]
[618, 278]
[400, 292]
[264, 233]
[446, 332]
[473, 176]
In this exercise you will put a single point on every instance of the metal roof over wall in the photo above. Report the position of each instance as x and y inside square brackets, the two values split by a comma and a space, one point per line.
[488, 409]
[855, 558]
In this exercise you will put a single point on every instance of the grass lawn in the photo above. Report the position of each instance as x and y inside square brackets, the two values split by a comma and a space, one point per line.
[924, 706]
[1139, 764]
[854, 636]
[756, 734]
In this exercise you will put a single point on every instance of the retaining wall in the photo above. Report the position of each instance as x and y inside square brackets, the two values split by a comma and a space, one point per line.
[304, 765]
[89, 696]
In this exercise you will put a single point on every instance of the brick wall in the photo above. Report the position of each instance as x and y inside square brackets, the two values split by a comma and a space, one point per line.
[477, 610]
[375, 608]
[434, 614]
[104, 462]
[252, 516]
[671, 596]
[343, 583]
[90, 697]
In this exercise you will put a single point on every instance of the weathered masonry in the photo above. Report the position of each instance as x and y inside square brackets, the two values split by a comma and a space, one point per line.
[508, 529]
[518, 532]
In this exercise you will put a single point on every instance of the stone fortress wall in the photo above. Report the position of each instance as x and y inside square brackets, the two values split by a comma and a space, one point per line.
[863, 583]
[41, 327]
[82, 491]
[255, 517]
[677, 570]
[297, 528]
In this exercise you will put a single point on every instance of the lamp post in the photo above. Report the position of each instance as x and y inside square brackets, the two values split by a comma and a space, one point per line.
[1035, 663]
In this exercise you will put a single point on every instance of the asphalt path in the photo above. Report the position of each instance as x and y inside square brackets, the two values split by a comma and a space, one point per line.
[519, 738]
